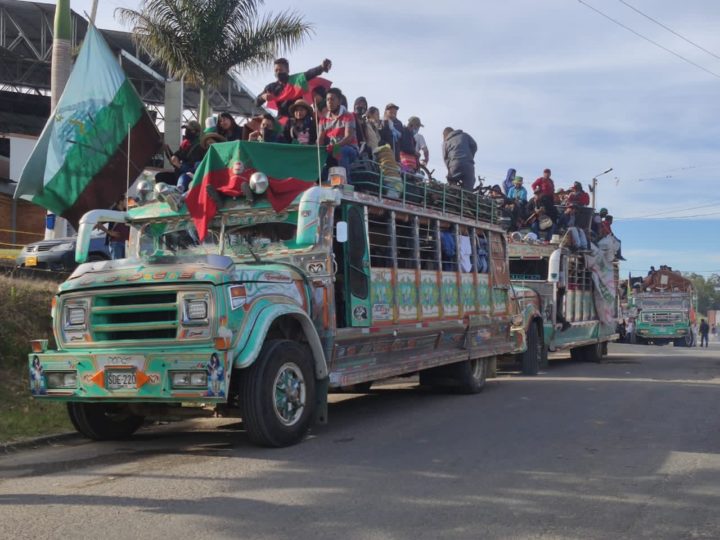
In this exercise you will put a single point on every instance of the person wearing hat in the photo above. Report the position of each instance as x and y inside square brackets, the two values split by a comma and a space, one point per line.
[578, 196]
[596, 224]
[391, 130]
[540, 207]
[300, 128]
[546, 183]
[517, 192]
[209, 138]
[421, 148]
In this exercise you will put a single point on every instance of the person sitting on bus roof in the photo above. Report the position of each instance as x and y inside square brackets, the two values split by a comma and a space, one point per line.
[596, 223]
[577, 195]
[543, 215]
[266, 131]
[566, 222]
[545, 183]
[372, 128]
[300, 129]
[517, 192]
[459, 150]
[337, 132]
[228, 128]
[517, 203]
[508, 182]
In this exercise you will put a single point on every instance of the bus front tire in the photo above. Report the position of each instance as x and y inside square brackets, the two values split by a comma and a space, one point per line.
[533, 356]
[277, 394]
[103, 421]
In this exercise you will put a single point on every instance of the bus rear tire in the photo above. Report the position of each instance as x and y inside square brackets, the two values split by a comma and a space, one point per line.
[467, 377]
[471, 375]
[277, 394]
[532, 357]
[103, 421]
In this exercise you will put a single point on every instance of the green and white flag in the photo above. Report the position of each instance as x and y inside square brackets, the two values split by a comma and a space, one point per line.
[80, 161]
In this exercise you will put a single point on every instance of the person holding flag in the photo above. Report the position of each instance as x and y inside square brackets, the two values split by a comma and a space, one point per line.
[289, 88]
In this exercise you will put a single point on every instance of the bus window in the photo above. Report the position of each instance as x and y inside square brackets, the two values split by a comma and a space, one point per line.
[483, 267]
[465, 251]
[359, 286]
[448, 247]
[405, 234]
[428, 244]
[380, 239]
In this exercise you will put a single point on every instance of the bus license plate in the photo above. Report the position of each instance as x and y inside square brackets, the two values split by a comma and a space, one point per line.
[120, 380]
[31, 261]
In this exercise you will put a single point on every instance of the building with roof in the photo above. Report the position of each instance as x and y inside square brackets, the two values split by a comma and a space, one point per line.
[26, 38]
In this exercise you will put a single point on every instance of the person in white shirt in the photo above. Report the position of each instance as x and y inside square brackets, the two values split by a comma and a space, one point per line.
[629, 330]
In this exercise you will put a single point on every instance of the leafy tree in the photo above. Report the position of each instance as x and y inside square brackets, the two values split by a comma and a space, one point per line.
[201, 40]
[708, 291]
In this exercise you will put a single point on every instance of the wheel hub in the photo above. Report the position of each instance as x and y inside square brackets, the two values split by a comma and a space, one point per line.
[290, 394]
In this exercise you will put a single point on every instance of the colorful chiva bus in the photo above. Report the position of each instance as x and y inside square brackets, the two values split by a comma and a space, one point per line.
[555, 285]
[274, 308]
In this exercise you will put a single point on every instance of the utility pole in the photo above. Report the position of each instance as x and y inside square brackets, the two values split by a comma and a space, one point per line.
[59, 75]
[593, 187]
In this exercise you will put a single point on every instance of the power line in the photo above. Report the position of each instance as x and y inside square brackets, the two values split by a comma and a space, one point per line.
[673, 211]
[672, 218]
[681, 57]
[636, 10]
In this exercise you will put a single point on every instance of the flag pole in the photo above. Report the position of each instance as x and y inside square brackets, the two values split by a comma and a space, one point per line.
[127, 188]
[317, 141]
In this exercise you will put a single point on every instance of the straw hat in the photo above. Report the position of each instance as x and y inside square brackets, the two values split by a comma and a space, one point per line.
[301, 103]
[209, 138]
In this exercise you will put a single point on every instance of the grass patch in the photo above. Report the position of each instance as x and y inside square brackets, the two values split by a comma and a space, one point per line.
[25, 315]
[22, 416]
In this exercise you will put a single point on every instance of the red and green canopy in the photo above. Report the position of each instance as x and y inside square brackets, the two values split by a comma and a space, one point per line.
[290, 168]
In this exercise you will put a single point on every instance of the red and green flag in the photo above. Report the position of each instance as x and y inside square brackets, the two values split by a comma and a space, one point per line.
[80, 161]
[298, 87]
[290, 168]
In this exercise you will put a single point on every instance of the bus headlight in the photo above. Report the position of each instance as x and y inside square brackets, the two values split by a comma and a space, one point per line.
[61, 379]
[75, 316]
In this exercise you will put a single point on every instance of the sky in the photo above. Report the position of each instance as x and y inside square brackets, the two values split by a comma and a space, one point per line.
[548, 83]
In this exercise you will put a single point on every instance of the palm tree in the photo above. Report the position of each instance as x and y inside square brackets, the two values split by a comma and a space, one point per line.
[201, 40]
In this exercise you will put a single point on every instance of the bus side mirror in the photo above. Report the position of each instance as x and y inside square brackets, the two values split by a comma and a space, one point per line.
[341, 231]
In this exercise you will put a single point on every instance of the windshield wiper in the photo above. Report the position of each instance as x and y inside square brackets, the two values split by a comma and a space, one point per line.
[255, 255]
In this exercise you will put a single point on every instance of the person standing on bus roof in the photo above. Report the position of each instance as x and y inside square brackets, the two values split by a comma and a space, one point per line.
[421, 147]
[546, 184]
[459, 150]
[276, 89]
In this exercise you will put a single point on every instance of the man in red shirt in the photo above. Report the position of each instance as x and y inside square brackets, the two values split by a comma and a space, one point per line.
[578, 196]
[546, 185]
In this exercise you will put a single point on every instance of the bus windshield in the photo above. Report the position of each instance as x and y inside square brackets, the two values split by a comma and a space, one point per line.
[176, 238]
[260, 239]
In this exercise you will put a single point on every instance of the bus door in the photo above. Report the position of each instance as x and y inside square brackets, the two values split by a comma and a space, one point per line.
[499, 274]
[356, 268]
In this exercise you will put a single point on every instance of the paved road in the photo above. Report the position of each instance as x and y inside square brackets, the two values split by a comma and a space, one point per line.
[624, 449]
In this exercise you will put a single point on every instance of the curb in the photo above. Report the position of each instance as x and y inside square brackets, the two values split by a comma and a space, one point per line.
[45, 440]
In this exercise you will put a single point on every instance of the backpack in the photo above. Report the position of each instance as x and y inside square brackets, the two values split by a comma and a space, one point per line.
[407, 141]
